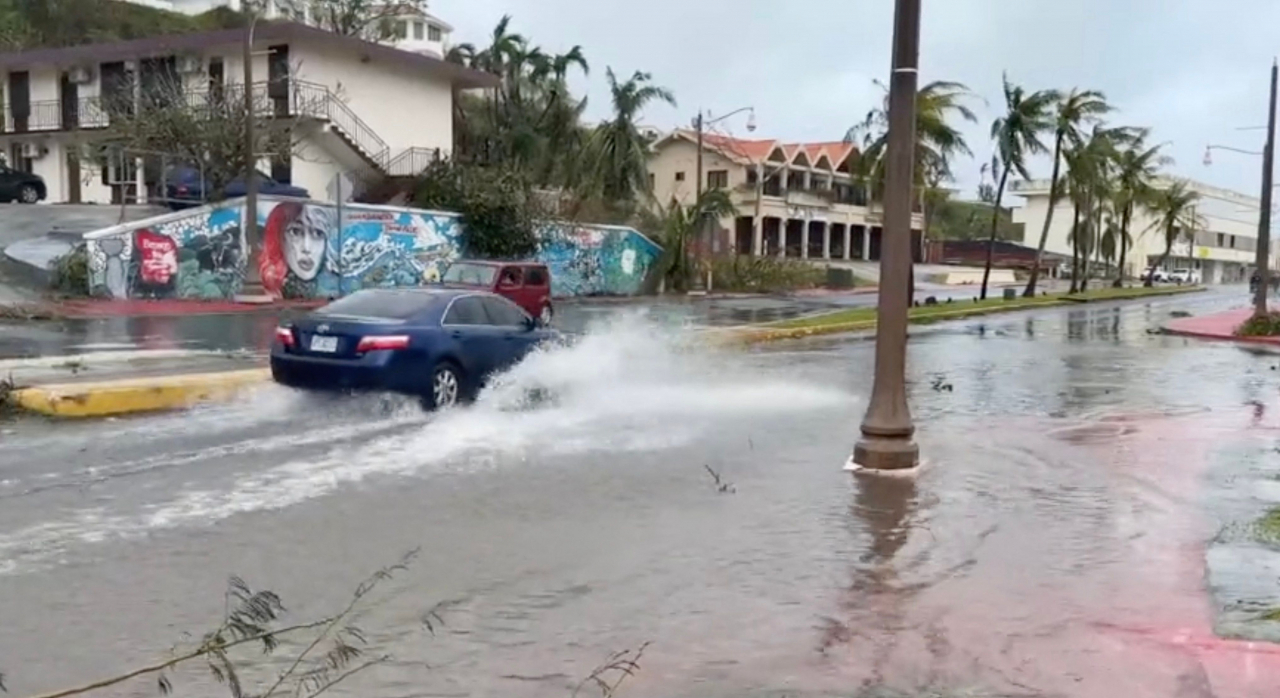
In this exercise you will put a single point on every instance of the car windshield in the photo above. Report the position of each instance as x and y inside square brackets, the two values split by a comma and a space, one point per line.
[391, 305]
[470, 274]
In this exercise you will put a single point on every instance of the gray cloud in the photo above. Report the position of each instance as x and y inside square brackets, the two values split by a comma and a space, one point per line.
[1193, 70]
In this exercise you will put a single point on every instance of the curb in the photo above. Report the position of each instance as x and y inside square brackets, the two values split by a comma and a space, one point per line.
[749, 336]
[136, 395]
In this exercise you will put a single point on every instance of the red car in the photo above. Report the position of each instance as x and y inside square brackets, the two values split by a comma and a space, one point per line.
[527, 284]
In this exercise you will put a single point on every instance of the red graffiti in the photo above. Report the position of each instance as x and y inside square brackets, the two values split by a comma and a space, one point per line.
[157, 257]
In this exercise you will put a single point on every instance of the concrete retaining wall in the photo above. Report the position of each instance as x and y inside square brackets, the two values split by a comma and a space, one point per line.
[309, 253]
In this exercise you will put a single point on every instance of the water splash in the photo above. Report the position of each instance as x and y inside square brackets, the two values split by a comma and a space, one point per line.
[625, 385]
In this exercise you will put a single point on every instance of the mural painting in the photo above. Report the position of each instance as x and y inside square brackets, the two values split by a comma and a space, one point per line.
[314, 250]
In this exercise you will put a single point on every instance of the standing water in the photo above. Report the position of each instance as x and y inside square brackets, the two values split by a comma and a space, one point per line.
[1080, 472]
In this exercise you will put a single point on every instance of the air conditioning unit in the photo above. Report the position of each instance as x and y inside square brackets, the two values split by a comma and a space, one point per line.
[80, 74]
[190, 65]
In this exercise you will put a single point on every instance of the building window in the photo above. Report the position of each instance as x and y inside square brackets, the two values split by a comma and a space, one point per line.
[718, 179]
[679, 176]
[402, 29]
[417, 31]
[1222, 240]
[433, 33]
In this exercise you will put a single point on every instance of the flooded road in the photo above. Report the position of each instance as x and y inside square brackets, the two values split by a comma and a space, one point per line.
[1083, 523]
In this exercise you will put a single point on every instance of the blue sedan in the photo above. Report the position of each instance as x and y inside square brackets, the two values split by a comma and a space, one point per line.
[438, 344]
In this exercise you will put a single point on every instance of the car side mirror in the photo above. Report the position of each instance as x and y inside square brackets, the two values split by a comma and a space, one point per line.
[530, 323]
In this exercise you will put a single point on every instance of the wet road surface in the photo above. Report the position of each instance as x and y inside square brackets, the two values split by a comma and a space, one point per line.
[1080, 528]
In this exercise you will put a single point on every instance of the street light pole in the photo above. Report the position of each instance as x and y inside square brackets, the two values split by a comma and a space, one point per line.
[887, 431]
[251, 289]
[701, 225]
[1263, 258]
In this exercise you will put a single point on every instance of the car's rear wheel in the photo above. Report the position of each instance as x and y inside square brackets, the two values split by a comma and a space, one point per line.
[547, 315]
[28, 194]
[446, 388]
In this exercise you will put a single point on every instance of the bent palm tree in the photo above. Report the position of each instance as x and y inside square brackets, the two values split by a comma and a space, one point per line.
[1074, 110]
[679, 225]
[1175, 211]
[1017, 135]
[1137, 167]
[621, 154]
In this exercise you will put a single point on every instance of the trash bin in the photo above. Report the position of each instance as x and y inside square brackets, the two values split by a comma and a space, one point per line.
[1010, 293]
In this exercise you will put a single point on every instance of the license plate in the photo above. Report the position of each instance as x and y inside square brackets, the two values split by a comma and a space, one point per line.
[326, 344]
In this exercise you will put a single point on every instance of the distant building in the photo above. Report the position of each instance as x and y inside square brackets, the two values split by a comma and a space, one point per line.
[796, 200]
[413, 30]
[361, 109]
[1223, 250]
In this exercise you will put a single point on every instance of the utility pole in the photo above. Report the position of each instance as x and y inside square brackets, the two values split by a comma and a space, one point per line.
[1263, 258]
[701, 224]
[887, 430]
[251, 289]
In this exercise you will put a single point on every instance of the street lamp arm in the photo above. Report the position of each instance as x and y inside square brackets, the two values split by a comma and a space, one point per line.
[1233, 149]
[735, 112]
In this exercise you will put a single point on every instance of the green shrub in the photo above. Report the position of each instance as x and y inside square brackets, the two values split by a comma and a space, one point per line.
[1260, 326]
[500, 214]
[69, 274]
[743, 274]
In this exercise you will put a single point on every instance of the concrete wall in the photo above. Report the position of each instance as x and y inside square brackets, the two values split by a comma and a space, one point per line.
[309, 253]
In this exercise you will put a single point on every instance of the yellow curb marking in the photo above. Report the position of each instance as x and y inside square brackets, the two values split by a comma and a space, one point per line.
[129, 396]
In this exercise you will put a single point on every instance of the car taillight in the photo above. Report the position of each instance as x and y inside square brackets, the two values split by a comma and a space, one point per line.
[285, 336]
[182, 189]
[380, 343]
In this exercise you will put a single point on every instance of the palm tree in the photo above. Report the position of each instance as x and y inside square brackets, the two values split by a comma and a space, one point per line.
[678, 225]
[938, 141]
[1137, 167]
[1175, 211]
[1017, 135]
[620, 153]
[1074, 110]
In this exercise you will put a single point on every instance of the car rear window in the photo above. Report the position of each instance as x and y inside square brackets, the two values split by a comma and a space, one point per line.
[470, 274]
[393, 305]
[535, 276]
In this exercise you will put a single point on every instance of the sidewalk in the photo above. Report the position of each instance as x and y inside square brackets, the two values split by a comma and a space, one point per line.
[1219, 326]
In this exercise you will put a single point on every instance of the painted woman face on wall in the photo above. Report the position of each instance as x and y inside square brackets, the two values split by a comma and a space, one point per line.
[304, 247]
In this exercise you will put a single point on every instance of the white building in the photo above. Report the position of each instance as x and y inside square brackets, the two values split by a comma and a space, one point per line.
[1222, 250]
[796, 200]
[360, 108]
[413, 28]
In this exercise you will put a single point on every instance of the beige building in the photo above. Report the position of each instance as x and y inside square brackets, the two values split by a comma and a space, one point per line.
[1222, 249]
[795, 200]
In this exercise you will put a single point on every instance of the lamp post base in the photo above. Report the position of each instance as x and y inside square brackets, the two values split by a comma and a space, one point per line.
[885, 453]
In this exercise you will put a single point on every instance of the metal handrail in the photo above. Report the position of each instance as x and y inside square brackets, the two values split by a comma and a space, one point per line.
[304, 99]
[412, 161]
[338, 114]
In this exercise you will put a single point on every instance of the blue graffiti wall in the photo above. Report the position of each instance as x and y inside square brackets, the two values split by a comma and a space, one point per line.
[318, 250]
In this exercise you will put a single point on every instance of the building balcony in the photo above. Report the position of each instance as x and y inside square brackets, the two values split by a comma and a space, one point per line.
[54, 116]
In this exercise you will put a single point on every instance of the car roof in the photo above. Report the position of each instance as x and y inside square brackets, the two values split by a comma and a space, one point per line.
[496, 263]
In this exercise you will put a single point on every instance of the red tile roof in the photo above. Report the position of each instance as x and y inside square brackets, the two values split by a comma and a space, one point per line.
[759, 150]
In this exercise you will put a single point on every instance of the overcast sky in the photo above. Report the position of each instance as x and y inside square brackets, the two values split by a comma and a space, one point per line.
[1193, 70]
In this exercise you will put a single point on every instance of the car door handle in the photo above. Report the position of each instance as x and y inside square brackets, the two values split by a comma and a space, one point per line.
[455, 334]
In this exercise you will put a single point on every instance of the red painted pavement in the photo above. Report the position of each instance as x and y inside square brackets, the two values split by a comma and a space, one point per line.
[88, 309]
[1217, 326]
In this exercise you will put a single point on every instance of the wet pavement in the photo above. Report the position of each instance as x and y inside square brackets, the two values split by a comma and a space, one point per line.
[254, 331]
[1082, 526]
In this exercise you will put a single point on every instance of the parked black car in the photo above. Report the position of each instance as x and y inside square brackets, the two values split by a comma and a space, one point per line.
[21, 186]
[183, 188]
